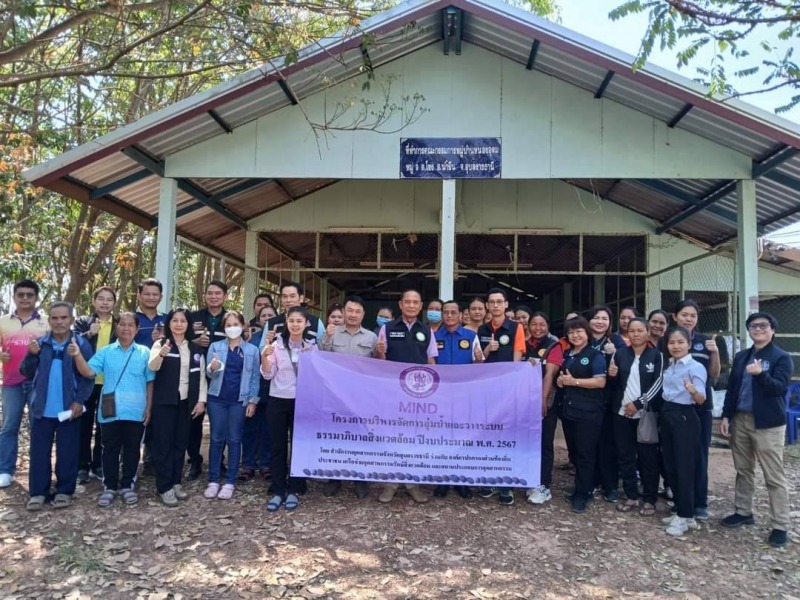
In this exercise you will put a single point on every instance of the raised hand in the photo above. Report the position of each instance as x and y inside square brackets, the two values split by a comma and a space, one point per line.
[267, 351]
[493, 345]
[711, 346]
[755, 367]
[478, 353]
[690, 387]
[34, 347]
[215, 363]
[609, 348]
[72, 348]
[271, 335]
[165, 348]
[613, 369]
[94, 328]
[330, 330]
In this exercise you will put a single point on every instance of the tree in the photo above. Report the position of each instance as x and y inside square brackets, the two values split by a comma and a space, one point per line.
[727, 28]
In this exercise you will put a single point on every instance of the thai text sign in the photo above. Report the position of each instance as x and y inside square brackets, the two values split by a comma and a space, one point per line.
[373, 420]
[450, 158]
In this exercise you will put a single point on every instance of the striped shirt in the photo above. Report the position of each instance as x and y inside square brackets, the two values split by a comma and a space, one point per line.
[15, 335]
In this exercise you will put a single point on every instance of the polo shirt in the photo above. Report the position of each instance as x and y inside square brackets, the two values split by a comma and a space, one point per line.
[362, 342]
[144, 337]
[103, 340]
[129, 386]
[15, 335]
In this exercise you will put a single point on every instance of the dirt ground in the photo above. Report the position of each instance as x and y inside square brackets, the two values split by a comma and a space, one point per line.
[343, 547]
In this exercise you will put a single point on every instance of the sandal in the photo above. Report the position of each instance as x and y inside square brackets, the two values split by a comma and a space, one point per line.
[129, 496]
[35, 503]
[107, 498]
[274, 503]
[266, 473]
[246, 474]
[291, 502]
[627, 506]
[648, 510]
[211, 491]
[62, 501]
[226, 493]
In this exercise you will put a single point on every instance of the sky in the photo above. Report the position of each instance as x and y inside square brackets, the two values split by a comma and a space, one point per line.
[590, 18]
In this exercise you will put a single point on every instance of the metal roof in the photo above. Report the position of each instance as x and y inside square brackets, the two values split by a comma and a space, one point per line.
[119, 171]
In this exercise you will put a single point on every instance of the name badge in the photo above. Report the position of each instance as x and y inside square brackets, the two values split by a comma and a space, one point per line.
[397, 334]
[463, 344]
[698, 346]
[504, 339]
[440, 345]
[584, 361]
[420, 336]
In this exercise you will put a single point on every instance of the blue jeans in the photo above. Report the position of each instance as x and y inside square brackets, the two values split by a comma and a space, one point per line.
[15, 399]
[227, 422]
[255, 439]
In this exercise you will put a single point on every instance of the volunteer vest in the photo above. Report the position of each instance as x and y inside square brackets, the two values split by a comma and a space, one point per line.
[407, 345]
[167, 382]
[580, 400]
[504, 336]
[455, 348]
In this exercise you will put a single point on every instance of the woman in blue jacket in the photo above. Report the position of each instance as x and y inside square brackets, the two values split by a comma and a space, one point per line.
[233, 393]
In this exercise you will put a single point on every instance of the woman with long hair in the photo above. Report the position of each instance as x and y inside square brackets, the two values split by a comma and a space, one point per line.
[626, 313]
[657, 323]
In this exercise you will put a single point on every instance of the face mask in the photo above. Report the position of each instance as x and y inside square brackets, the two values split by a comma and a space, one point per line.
[233, 332]
[434, 316]
[381, 321]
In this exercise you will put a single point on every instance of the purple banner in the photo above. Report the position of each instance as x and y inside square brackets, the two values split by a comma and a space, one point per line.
[373, 420]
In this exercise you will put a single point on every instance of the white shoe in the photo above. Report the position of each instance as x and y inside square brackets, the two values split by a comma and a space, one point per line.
[169, 498]
[5, 480]
[668, 520]
[678, 527]
[540, 495]
[180, 493]
[690, 523]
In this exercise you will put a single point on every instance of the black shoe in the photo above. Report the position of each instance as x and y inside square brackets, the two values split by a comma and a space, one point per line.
[579, 504]
[612, 496]
[463, 491]
[83, 476]
[332, 488]
[506, 497]
[778, 538]
[440, 491]
[362, 489]
[737, 520]
[194, 472]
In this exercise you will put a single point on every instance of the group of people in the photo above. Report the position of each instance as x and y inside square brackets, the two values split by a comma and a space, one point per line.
[634, 403]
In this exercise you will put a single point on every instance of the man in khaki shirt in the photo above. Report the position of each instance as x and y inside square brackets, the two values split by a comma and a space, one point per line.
[350, 338]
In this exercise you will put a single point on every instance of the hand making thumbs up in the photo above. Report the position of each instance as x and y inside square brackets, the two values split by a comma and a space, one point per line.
[613, 369]
[165, 348]
[215, 363]
[493, 345]
[330, 330]
[94, 328]
[72, 348]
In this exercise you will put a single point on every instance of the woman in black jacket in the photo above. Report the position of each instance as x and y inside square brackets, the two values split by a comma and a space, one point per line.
[635, 375]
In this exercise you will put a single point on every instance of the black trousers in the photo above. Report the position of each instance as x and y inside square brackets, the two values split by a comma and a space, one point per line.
[89, 458]
[701, 470]
[125, 437]
[558, 409]
[584, 434]
[607, 475]
[280, 419]
[680, 438]
[169, 428]
[549, 424]
[195, 440]
[630, 455]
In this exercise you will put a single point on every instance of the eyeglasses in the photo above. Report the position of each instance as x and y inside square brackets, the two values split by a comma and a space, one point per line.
[495, 302]
[450, 312]
[761, 326]
[25, 294]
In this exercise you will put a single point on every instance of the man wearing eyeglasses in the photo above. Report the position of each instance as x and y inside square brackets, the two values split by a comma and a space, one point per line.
[754, 416]
[16, 332]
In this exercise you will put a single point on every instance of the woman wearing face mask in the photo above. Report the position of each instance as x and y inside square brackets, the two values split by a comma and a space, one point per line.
[477, 313]
[335, 315]
[279, 363]
[625, 316]
[657, 323]
[704, 350]
[606, 342]
[433, 314]
[233, 394]
[179, 394]
[635, 380]
[385, 315]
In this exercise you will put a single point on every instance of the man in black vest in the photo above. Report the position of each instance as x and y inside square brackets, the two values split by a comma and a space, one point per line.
[502, 340]
[292, 295]
[207, 328]
[406, 340]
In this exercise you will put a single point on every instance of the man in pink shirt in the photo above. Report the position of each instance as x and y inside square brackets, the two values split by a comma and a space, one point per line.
[17, 330]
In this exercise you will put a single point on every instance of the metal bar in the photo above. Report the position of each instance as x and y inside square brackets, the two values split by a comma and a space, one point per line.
[679, 117]
[717, 252]
[777, 158]
[532, 55]
[201, 195]
[602, 89]
[284, 85]
[220, 121]
[144, 158]
[667, 189]
[119, 183]
[717, 193]
[784, 180]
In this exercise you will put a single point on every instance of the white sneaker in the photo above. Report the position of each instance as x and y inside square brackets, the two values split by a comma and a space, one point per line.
[678, 527]
[690, 523]
[540, 495]
[5, 480]
[669, 520]
[169, 498]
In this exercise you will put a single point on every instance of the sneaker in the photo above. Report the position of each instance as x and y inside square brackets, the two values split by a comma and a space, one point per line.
[579, 504]
[169, 499]
[5, 480]
[690, 523]
[778, 538]
[180, 493]
[737, 520]
[678, 527]
[487, 492]
[506, 498]
[612, 496]
[540, 495]
[83, 476]
[701, 514]
[387, 494]
[417, 494]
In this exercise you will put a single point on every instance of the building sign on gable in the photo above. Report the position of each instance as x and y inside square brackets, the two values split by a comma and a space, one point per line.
[450, 158]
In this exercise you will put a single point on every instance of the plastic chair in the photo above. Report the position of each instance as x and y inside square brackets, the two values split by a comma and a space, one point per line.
[792, 414]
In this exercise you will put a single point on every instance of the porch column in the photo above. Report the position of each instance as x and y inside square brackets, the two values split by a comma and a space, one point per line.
[746, 253]
[250, 270]
[165, 240]
[447, 250]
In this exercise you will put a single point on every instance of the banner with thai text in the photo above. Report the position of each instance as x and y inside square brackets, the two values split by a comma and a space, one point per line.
[373, 420]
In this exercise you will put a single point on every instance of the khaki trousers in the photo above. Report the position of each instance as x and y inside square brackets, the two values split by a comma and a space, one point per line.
[749, 444]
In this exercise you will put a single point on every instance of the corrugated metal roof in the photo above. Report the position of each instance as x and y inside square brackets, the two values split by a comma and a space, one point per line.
[407, 27]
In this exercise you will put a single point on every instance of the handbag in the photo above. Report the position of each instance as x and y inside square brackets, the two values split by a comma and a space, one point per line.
[647, 430]
[108, 402]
